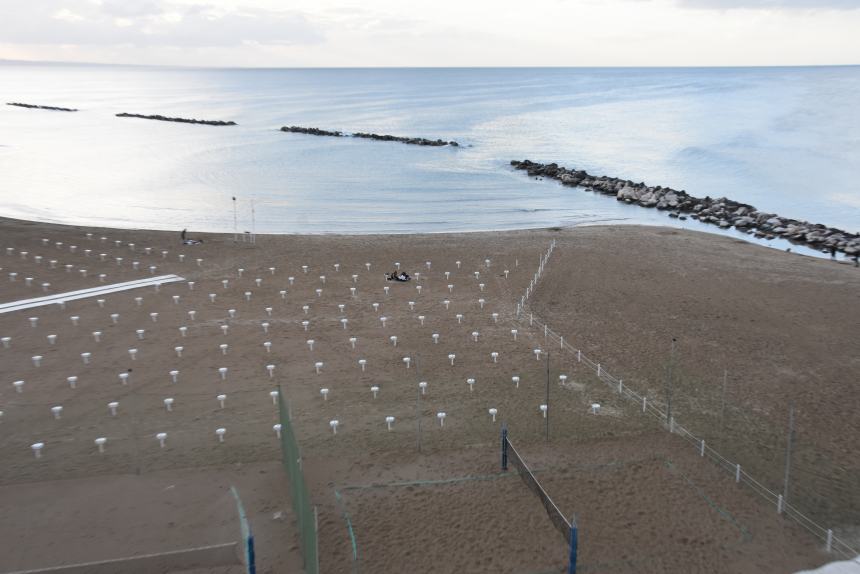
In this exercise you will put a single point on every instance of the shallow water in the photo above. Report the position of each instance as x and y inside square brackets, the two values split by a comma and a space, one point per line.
[786, 140]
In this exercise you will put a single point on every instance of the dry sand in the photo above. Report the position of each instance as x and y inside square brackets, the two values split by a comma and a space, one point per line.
[783, 325]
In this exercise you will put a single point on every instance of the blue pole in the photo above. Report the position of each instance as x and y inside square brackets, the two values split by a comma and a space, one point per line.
[574, 543]
[252, 564]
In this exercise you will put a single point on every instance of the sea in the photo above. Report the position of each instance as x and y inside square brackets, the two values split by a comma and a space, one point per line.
[784, 139]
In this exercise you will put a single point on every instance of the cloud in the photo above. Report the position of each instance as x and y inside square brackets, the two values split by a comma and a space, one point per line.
[152, 23]
[129, 8]
[773, 4]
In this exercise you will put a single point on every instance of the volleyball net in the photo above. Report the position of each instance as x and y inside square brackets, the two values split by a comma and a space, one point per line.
[567, 528]
[306, 513]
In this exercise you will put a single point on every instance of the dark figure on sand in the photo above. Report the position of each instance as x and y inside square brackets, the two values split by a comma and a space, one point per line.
[187, 241]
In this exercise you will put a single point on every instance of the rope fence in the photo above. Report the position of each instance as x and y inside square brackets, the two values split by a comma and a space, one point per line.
[544, 257]
[648, 407]
[831, 542]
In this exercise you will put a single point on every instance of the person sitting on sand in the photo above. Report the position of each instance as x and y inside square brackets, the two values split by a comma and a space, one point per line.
[187, 241]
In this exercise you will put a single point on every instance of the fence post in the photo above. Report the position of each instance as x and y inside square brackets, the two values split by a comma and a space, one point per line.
[829, 546]
[531, 319]
[561, 342]
[671, 425]
[779, 504]
[702, 448]
[737, 473]
[252, 560]
[578, 356]
[316, 540]
[504, 447]
[574, 543]
[247, 536]
[620, 386]
[598, 370]
[788, 448]
[644, 404]
[545, 331]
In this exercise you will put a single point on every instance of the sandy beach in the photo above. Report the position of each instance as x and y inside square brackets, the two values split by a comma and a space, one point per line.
[422, 497]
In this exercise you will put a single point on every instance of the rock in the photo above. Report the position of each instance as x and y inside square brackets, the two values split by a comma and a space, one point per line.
[720, 211]
[35, 107]
[180, 120]
[311, 131]
[389, 138]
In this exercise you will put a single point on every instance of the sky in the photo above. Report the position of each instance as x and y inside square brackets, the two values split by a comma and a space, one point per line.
[349, 33]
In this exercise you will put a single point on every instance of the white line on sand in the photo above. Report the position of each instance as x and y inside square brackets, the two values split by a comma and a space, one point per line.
[84, 293]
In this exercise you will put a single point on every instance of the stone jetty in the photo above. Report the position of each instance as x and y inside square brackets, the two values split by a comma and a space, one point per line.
[180, 120]
[35, 107]
[721, 211]
[387, 138]
[411, 141]
[312, 131]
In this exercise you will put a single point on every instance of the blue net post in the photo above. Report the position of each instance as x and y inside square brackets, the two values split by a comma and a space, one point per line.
[574, 543]
[504, 447]
[252, 563]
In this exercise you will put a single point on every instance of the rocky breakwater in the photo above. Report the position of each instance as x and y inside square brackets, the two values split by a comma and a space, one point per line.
[312, 131]
[387, 138]
[35, 107]
[721, 211]
[180, 120]
[410, 141]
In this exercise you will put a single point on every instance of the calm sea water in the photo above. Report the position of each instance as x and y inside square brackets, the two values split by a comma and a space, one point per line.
[786, 140]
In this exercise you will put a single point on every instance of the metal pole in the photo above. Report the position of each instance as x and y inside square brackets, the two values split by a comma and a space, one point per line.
[317, 538]
[547, 396]
[574, 546]
[235, 222]
[418, 403]
[788, 447]
[723, 403]
[253, 223]
[669, 381]
[504, 446]
[134, 428]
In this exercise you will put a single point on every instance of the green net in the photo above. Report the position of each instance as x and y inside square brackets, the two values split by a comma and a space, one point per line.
[306, 519]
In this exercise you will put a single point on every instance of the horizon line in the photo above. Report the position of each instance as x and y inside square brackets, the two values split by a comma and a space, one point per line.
[464, 67]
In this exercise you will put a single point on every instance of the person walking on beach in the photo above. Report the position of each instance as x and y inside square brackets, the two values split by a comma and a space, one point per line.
[183, 234]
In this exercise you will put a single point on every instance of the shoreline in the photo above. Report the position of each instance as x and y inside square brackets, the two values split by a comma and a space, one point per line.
[781, 246]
